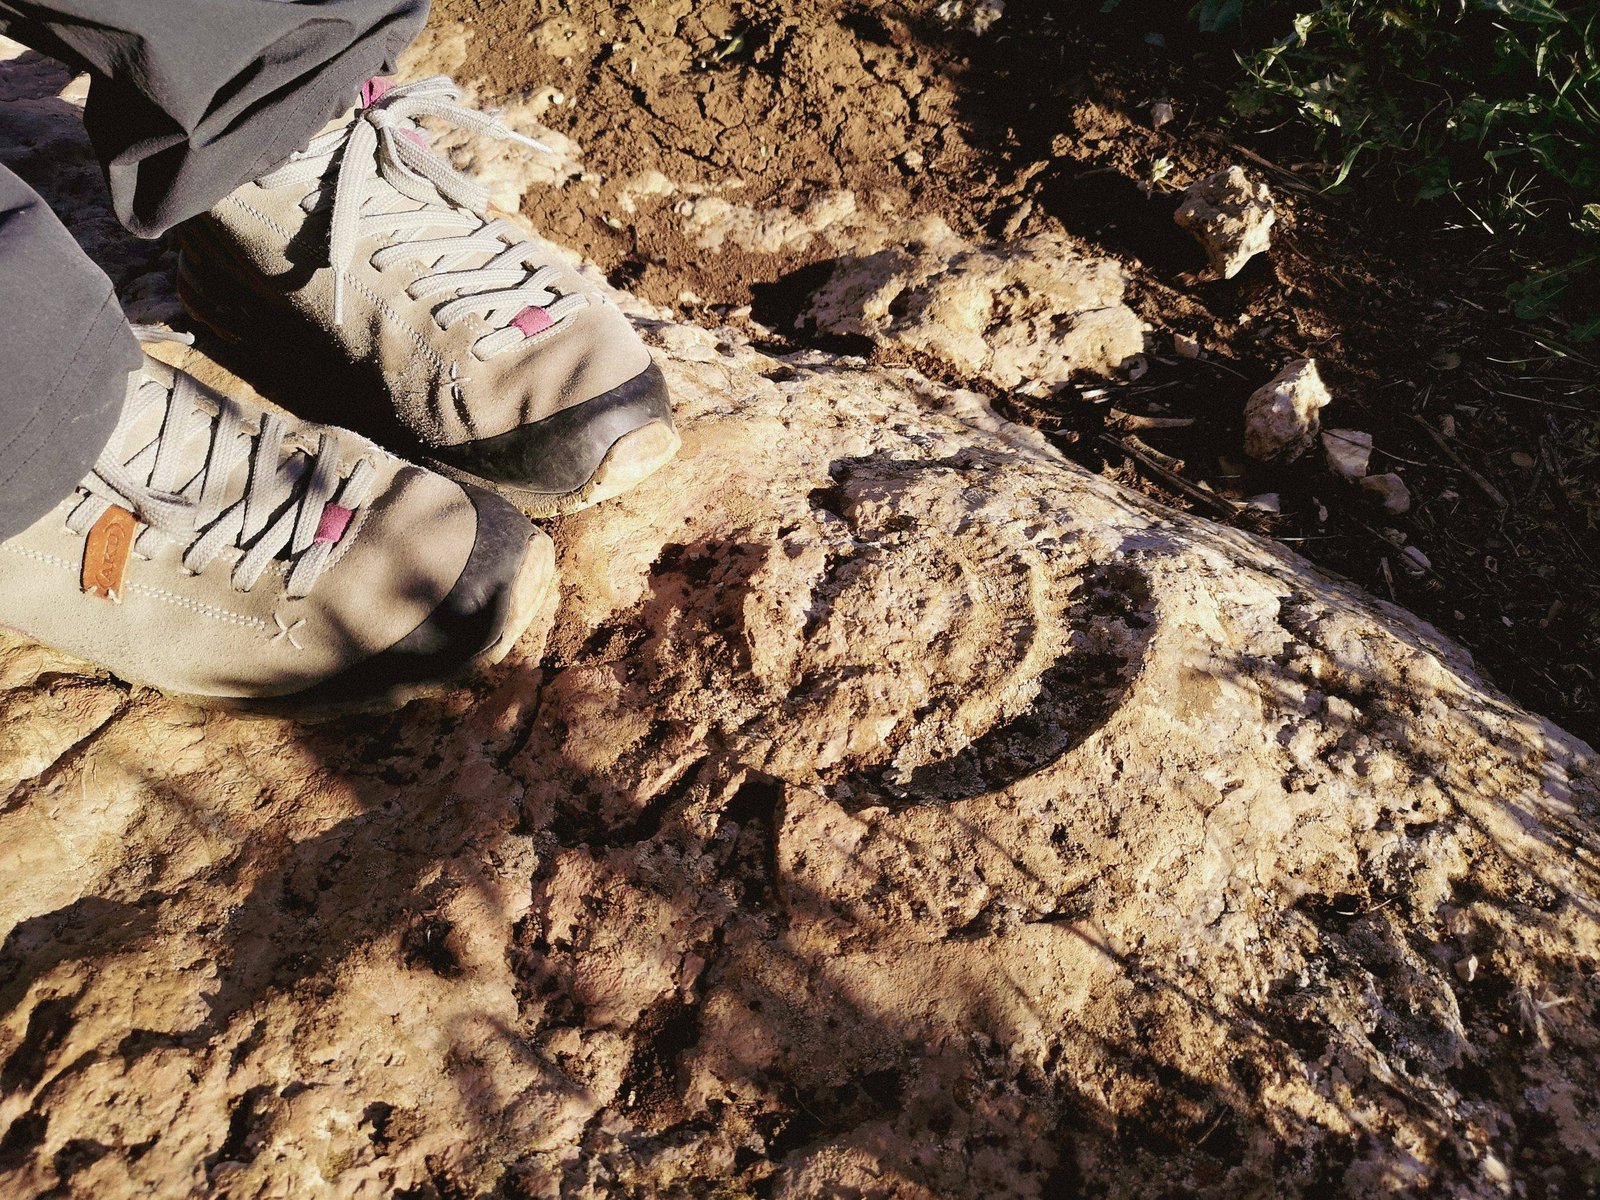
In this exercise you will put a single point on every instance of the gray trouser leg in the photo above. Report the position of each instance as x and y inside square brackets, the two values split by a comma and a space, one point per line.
[191, 98]
[188, 99]
[65, 354]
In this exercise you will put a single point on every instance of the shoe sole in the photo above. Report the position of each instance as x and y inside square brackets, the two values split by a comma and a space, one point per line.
[628, 461]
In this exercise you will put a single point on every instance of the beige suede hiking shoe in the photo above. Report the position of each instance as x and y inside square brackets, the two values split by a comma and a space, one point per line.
[223, 552]
[491, 360]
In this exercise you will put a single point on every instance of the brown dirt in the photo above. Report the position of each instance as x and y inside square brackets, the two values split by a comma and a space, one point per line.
[1042, 125]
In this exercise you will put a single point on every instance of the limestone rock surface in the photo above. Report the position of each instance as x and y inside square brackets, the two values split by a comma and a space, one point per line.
[896, 811]
[1231, 215]
[1281, 418]
[1034, 311]
[897, 807]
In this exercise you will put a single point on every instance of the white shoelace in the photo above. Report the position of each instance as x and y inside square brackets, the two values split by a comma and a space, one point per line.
[280, 514]
[485, 263]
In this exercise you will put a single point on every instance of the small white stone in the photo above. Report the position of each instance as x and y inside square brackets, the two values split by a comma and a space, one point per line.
[1349, 452]
[1415, 561]
[1390, 491]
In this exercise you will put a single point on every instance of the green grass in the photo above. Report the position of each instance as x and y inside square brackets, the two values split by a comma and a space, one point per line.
[1493, 105]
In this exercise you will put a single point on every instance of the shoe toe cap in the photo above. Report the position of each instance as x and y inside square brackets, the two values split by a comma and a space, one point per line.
[561, 453]
[491, 601]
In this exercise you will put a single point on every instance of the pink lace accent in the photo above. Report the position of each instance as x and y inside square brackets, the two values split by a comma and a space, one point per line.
[373, 89]
[532, 320]
[335, 520]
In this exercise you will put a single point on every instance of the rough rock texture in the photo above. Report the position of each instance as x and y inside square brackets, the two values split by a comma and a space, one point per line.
[712, 222]
[1281, 417]
[980, 15]
[898, 812]
[1030, 312]
[1231, 216]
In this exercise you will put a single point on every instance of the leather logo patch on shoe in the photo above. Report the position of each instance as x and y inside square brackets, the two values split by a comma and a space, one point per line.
[105, 554]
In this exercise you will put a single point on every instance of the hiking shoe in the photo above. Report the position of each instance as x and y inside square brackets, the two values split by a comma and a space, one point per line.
[492, 360]
[223, 552]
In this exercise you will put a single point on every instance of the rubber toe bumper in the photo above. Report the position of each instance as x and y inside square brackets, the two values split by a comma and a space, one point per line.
[507, 573]
[563, 455]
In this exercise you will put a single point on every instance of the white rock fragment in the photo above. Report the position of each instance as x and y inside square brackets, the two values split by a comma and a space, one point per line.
[1390, 491]
[979, 15]
[985, 13]
[711, 222]
[1349, 452]
[1280, 418]
[1268, 502]
[1033, 310]
[1415, 561]
[1231, 216]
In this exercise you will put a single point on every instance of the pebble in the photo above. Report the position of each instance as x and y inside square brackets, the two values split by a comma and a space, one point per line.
[1348, 451]
[1415, 561]
[1390, 491]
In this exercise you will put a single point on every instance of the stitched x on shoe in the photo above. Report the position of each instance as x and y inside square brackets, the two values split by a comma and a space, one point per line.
[224, 552]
